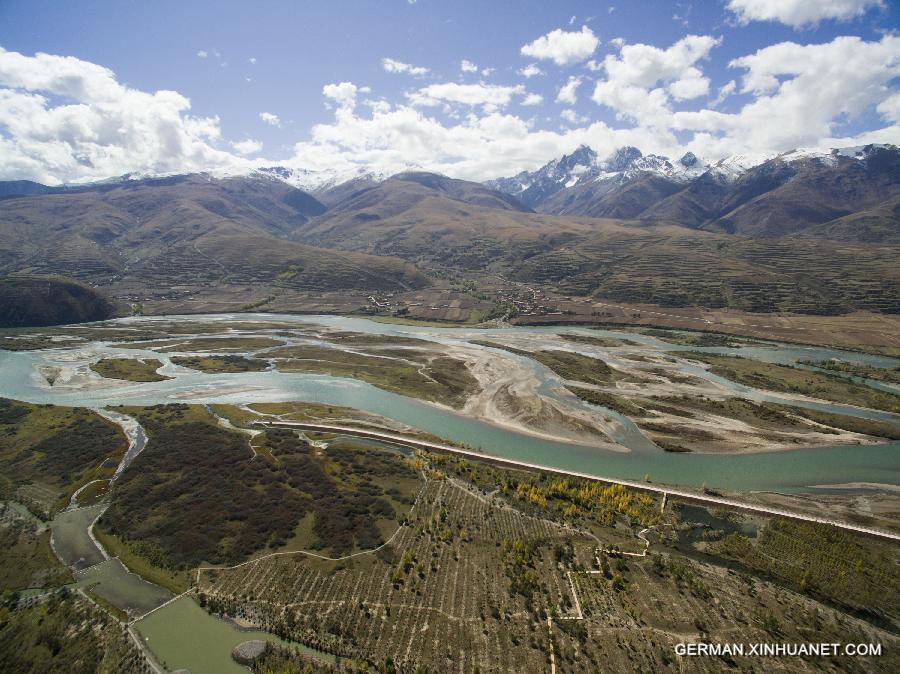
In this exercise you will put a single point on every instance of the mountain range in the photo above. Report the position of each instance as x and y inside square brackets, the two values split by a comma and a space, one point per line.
[802, 231]
[844, 194]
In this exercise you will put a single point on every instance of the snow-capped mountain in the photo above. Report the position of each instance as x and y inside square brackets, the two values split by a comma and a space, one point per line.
[584, 166]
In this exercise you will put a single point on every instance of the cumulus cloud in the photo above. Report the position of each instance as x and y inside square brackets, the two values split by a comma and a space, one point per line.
[800, 93]
[643, 80]
[532, 99]
[568, 91]
[492, 95]
[394, 66]
[531, 70]
[202, 54]
[270, 118]
[343, 94]
[68, 120]
[572, 117]
[468, 67]
[246, 147]
[563, 47]
[799, 13]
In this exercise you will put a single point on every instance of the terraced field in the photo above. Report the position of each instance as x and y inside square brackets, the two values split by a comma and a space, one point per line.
[714, 271]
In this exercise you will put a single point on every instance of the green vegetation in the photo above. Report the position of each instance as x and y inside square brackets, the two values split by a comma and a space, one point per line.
[50, 300]
[65, 633]
[215, 364]
[129, 369]
[145, 558]
[414, 373]
[608, 400]
[693, 339]
[197, 492]
[595, 341]
[881, 429]
[890, 375]
[857, 573]
[47, 452]
[783, 378]
[763, 415]
[26, 558]
[207, 344]
[568, 365]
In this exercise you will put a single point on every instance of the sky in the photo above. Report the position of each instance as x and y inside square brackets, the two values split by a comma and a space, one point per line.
[472, 89]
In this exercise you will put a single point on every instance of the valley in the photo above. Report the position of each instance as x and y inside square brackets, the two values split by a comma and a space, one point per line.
[418, 424]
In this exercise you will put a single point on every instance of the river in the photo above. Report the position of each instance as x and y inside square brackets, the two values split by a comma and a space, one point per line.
[792, 470]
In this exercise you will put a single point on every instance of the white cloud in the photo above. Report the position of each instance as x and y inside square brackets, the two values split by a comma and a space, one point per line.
[724, 92]
[643, 80]
[568, 91]
[531, 70]
[344, 94]
[246, 147]
[394, 66]
[493, 95]
[799, 13]
[532, 99]
[562, 47]
[252, 60]
[270, 118]
[203, 54]
[572, 117]
[800, 93]
[68, 120]
[468, 66]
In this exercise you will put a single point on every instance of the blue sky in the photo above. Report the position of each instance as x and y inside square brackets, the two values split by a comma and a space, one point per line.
[718, 78]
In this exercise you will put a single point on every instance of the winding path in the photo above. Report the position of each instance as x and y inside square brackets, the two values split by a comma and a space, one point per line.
[407, 441]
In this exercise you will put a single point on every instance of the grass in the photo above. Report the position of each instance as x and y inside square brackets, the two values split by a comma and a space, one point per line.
[417, 374]
[136, 557]
[66, 633]
[196, 494]
[208, 344]
[785, 379]
[881, 429]
[568, 365]
[859, 574]
[609, 400]
[217, 364]
[890, 375]
[26, 558]
[50, 451]
[595, 341]
[129, 369]
[756, 414]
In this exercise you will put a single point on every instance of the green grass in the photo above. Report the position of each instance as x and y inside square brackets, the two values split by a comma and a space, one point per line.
[416, 374]
[608, 400]
[216, 364]
[65, 634]
[138, 556]
[785, 379]
[53, 450]
[826, 562]
[568, 365]
[196, 494]
[129, 369]
[26, 558]
[881, 429]
[890, 375]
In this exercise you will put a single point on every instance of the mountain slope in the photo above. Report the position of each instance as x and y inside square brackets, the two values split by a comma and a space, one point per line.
[183, 229]
[796, 192]
[33, 301]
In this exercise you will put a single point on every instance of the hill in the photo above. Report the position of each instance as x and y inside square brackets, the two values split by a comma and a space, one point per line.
[39, 301]
[183, 229]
